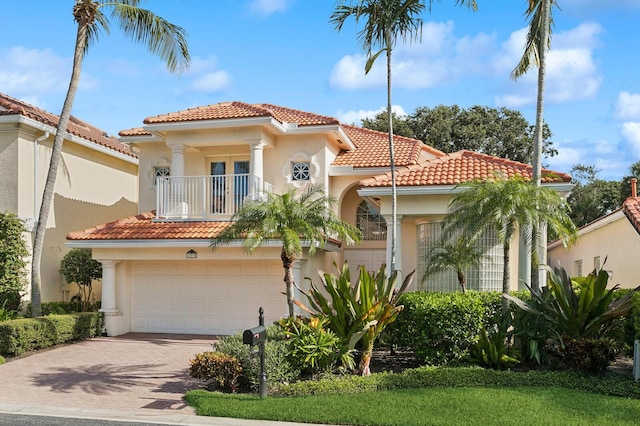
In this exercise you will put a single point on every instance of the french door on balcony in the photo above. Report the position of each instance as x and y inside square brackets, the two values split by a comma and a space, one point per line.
[229, 190]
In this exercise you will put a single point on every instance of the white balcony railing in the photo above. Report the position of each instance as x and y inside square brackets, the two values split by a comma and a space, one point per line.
[204, 197]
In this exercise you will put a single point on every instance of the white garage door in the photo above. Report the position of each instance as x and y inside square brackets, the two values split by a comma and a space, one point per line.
[372, 259]
[205, 297]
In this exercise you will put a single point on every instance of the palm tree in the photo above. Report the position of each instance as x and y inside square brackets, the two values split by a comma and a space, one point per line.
[538, 41]
[293, 219]
[161, 37]
[506, 205]
[458, 253]
[386, 21]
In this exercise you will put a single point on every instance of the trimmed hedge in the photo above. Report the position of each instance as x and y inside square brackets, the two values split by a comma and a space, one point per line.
[426, 377]
[28, 334]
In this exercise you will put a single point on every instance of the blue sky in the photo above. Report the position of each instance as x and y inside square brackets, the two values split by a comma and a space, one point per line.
[286, 52]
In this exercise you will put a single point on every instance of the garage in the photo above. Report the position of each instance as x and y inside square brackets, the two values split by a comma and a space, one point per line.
[204, 296]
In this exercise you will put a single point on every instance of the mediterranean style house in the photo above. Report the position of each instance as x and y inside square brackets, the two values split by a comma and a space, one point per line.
[97, 182]
[611, 242]
[198, 166]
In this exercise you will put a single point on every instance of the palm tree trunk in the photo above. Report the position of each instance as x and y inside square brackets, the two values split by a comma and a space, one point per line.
[394, 213]
[56, 153]
[287, 264]
[506, 276]
[367, 353]
[537, 148]
[462, 280]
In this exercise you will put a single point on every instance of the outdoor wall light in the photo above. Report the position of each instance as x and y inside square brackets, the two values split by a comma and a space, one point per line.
[192, 254]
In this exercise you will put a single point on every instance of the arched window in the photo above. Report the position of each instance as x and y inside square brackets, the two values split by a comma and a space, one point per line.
[370, 222]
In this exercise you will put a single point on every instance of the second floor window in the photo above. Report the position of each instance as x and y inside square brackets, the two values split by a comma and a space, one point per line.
[160, 171]
[300, 171]
[370, 222]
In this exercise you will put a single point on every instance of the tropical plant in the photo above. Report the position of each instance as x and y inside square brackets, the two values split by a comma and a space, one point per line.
[386, 22]
[295, 219]
[13, 266]
[219, 370]
[537, 43]
[358, 311]
[491, 350]
[78, 266]
[457, 253]
[577, 308]
[506, 205]
[161, 37]
[314, 348]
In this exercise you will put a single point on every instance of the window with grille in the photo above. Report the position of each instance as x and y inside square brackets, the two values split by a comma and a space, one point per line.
[300, 170]
[596, 263]
[369, 221]
[486, 277]
[577, 268]
[160, 171]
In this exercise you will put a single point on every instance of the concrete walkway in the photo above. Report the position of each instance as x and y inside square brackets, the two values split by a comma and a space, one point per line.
[134, 377]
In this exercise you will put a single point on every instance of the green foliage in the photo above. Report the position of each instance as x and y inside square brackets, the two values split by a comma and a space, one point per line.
[2, 360]
[491, 349]
[6, 314]
[578, 308]
[358, 311]
[500, 132]
[27, 334]
[13, 266]
[221, 371]
[314, 348]
[591, 197]
[439, 327]
[277, 365]
[78, 266]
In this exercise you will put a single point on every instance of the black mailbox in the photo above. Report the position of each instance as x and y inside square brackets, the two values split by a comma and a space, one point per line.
[254, 336]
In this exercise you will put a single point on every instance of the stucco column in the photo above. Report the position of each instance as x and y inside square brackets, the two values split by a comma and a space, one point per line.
[524, 257]
[398, 225]
[256, 165]
[177, 160]
[109, 287]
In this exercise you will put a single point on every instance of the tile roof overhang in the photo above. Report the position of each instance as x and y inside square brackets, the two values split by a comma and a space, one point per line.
[78, 131]
[279, 120]
[631, 209]
[143, 230]
[445, 173]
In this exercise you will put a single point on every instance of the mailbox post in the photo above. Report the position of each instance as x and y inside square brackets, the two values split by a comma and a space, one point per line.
[257, 336]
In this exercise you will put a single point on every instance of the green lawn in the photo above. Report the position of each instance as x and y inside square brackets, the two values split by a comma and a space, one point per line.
[430, 406]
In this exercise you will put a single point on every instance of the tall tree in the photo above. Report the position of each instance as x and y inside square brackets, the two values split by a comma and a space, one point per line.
[291, 218]
[537, 43]
[386, 22]
[591, 197]
[625, 184]
[507, 205]
[161, 38]
[501, 132]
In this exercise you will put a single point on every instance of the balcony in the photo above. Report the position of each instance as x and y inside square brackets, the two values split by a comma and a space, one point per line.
[205, 197]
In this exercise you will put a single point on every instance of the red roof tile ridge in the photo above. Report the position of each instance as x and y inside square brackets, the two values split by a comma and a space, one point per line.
[319, 117]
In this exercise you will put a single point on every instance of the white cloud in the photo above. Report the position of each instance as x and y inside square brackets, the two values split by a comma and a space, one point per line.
[268, 7]
[438, 59]
[356, 117]
[571, 72]
[631, 133]
[627, 106]
[211, 82]
[29, 72]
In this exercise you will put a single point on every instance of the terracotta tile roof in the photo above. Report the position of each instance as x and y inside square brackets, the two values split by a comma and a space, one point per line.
[372, 149]
[143, 227]
[457, 168]
[631, 209]
[230, 110]
[12, 106]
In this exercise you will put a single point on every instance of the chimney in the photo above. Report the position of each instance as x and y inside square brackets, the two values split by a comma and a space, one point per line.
[634, 187]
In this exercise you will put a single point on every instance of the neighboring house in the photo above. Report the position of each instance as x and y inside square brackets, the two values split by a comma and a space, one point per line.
[614, 237]
[199, 165]
[97, 181]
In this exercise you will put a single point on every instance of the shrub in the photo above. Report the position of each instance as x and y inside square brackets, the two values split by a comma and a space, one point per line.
[491, 349]
[13, 252]
[590, 355]
[221, 371]
[277, 365]
[78, 266]
[313, 348]
[438, 327]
